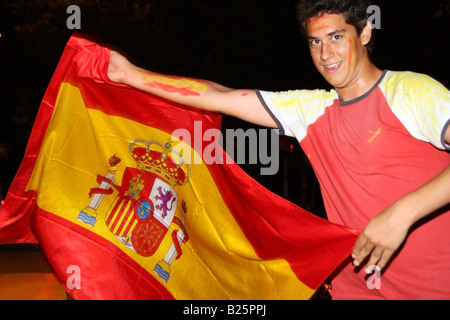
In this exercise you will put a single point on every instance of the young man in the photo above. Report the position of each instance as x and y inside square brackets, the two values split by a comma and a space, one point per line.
[379, 144]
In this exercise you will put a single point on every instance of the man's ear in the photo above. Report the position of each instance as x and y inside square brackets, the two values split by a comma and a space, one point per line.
[366, 33]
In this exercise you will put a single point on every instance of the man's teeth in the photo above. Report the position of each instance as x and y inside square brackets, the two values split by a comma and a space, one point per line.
[335, 65]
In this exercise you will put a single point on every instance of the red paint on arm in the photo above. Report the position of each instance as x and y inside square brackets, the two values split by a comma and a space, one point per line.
[168, 88]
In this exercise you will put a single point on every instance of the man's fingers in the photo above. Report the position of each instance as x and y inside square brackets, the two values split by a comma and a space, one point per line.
[360, 242]
[379, 256]
[375, 256]
[361, 250]
[384, 258]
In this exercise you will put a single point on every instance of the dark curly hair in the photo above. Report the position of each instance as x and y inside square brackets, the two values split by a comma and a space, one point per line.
[354, 12]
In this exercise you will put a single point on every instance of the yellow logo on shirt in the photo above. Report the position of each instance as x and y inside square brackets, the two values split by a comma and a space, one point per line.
[374, 134]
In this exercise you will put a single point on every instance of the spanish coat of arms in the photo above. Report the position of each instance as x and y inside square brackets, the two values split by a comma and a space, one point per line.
[146, 202]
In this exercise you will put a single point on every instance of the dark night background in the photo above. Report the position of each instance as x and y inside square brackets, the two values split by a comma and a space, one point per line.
[241, 44]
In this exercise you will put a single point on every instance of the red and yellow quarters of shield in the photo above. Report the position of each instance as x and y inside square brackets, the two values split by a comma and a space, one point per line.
[171, 220]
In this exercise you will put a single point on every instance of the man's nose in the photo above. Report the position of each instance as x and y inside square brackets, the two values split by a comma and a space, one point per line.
[326, 51]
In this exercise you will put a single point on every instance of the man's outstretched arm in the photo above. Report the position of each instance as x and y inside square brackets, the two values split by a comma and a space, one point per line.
[202, 94]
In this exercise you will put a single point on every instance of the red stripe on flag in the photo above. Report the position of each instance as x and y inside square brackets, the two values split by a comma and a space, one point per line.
[313, 246]
[106, 272]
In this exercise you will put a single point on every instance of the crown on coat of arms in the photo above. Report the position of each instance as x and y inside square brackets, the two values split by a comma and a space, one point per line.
[154, 157]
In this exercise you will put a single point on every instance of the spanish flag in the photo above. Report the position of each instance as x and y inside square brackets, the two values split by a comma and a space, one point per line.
[122, 210]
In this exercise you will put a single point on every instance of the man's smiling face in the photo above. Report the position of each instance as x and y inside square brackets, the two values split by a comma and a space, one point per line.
[337, 50]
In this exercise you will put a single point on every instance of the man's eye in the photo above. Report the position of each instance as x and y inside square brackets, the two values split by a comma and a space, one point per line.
[314, 42]
[336, 37]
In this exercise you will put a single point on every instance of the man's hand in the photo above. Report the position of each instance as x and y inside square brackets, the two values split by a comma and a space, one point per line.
[385, 233]
[118, 67]
[381, 238]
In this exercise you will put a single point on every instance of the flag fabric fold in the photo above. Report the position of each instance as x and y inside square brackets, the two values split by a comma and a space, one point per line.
[121, 211]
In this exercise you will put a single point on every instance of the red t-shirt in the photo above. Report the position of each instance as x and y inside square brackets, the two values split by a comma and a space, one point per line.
[367, 153]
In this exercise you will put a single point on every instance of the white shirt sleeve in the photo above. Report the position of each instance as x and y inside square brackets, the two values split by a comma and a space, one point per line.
[421, 103]
[294, 110]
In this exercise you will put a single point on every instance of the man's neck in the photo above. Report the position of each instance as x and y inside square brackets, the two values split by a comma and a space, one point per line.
[366, 79]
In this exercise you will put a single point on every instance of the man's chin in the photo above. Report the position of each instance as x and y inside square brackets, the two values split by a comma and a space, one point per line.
[332, 81]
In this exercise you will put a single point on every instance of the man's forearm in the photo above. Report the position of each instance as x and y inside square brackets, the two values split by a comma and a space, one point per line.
[183, 90]
[430, 197]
